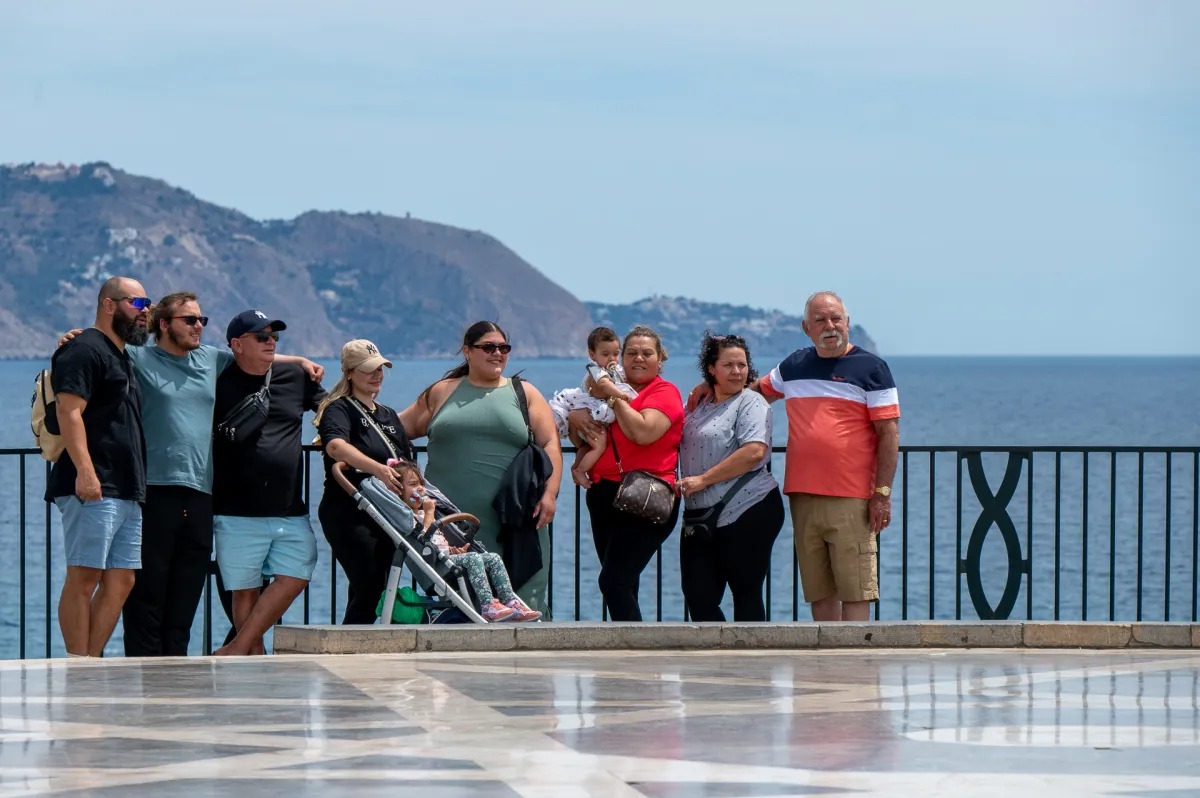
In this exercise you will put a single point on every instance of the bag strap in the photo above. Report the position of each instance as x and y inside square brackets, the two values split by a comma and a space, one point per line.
[523, 403]
[612, 442]
[375, 426]
[742, 482]
[267, 381]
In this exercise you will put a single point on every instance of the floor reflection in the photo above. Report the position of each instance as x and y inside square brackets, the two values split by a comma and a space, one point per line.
[921, 723]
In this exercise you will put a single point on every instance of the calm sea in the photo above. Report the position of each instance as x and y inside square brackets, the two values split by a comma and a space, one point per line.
[944, 401]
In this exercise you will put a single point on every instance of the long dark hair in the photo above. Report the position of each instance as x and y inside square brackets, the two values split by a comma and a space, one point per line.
[470, 338]
[711, 347]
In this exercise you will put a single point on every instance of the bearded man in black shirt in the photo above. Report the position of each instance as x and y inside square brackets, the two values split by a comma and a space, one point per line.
[260, 522]
[99, 482]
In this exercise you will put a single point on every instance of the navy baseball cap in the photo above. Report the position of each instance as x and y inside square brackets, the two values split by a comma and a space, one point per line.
[251, 321]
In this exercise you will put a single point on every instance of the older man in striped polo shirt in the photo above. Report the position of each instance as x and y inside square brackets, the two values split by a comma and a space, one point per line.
[843, 440]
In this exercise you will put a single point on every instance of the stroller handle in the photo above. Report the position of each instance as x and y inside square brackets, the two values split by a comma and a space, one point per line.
[339, 476]
[454, 518]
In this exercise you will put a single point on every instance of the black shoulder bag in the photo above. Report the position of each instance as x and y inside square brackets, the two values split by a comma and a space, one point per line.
[702, 524]
[641, 493]
[517, 495]
[248, 416]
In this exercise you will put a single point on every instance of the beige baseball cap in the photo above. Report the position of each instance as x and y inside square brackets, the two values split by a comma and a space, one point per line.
[363, 355]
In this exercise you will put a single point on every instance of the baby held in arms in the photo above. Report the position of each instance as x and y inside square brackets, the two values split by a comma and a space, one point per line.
[604, 353]
[484, 571]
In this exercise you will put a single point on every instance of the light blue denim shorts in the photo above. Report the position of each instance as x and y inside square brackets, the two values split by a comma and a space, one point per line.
[250, 548]
[101, 534]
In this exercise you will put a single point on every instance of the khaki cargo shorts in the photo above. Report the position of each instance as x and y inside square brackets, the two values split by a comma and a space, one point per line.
[838, 554]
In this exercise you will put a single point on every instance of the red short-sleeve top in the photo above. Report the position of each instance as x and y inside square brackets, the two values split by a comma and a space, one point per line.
[660, 458]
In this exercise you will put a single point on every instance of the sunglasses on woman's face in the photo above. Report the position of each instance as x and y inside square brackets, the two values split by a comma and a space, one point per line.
[192, 321]
[492, 349]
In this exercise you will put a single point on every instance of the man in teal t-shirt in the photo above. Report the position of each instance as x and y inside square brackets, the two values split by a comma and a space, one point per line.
[178, 378]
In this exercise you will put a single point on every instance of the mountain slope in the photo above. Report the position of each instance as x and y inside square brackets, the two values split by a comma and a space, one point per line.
[411, 286]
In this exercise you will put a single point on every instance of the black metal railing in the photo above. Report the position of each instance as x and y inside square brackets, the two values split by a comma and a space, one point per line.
[1068, 545]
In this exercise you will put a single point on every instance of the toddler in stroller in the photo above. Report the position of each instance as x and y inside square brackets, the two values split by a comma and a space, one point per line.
[484, 569]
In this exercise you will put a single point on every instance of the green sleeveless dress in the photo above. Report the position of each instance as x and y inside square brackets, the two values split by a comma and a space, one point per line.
[473, 438]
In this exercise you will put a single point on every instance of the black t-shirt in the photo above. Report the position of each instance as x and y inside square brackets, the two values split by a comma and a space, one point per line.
[93, 368]
[343, 421]
[262, 477]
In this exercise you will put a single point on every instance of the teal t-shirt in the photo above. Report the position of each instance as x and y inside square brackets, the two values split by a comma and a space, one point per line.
[178, 393]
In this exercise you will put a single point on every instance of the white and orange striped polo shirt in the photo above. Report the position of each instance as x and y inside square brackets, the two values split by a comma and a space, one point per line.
[831, 404]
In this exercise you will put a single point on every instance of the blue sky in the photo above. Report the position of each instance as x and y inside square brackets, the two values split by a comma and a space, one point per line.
[974, 178]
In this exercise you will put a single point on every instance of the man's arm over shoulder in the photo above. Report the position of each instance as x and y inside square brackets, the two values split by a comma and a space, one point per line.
[315, 371]
[314, 394]
[766, 388]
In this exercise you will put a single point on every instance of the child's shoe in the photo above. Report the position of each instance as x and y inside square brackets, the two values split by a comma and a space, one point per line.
[521, 612]
[495, 611]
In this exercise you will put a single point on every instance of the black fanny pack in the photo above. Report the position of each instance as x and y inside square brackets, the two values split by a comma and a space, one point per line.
[702, 524]
[248, 416]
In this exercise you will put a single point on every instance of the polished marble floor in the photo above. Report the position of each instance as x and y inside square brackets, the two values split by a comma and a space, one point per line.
[663, 725]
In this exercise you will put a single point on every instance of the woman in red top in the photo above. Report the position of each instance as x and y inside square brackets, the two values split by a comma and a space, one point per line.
[646, 434]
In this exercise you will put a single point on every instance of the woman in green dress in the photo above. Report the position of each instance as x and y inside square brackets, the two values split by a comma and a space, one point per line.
[475, 429]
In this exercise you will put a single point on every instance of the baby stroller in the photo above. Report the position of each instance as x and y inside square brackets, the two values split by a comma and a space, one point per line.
[432, 569]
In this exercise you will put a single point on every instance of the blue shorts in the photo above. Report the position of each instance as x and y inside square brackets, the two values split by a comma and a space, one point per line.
[101, 534]
[250, 548]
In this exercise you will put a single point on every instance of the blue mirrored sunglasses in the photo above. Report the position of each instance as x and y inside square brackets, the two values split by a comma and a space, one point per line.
[138, 302]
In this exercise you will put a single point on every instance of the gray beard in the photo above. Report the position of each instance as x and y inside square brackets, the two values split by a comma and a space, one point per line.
[128, 330]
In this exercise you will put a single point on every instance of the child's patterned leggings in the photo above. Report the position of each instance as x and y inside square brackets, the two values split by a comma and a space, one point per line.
[480, 568]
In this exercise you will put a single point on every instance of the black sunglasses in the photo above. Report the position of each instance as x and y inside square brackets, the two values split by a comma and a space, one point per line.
[492, 349]
[136, 302]
[262, 336]
[192, 321]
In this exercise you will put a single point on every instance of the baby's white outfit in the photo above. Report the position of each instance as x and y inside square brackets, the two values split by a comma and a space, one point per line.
[570, 399]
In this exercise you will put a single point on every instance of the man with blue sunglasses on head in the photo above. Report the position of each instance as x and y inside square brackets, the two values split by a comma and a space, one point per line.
[178, 380]
[100, 480]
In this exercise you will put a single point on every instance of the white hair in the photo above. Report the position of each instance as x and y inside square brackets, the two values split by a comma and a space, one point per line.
[808, 302]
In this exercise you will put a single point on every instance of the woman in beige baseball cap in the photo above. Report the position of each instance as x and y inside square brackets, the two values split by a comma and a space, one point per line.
[359, 431]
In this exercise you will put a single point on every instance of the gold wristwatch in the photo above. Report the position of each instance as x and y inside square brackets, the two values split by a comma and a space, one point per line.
[884, 491]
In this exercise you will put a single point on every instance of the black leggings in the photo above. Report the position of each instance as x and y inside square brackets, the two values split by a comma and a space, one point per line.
[624, 544]
[739, 555]
[363, 550]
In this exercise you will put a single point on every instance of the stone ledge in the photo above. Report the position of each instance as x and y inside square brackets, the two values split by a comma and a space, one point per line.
[345, 639]
[770, 635]
[1163, 635]
[594, 636]
[869, 634]
[1062, 634]
[972, 634]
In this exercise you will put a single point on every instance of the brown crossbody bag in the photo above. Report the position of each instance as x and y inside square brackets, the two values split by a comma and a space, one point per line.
[641, 493]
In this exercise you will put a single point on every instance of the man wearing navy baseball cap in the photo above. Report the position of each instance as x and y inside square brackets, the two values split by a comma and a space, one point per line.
[260, 520]
[251, 321]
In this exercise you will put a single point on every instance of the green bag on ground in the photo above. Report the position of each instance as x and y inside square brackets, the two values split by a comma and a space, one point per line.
[409, 606]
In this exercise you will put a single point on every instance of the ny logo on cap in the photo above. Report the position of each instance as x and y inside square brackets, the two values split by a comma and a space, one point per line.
[260, 314]
[371, 350]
